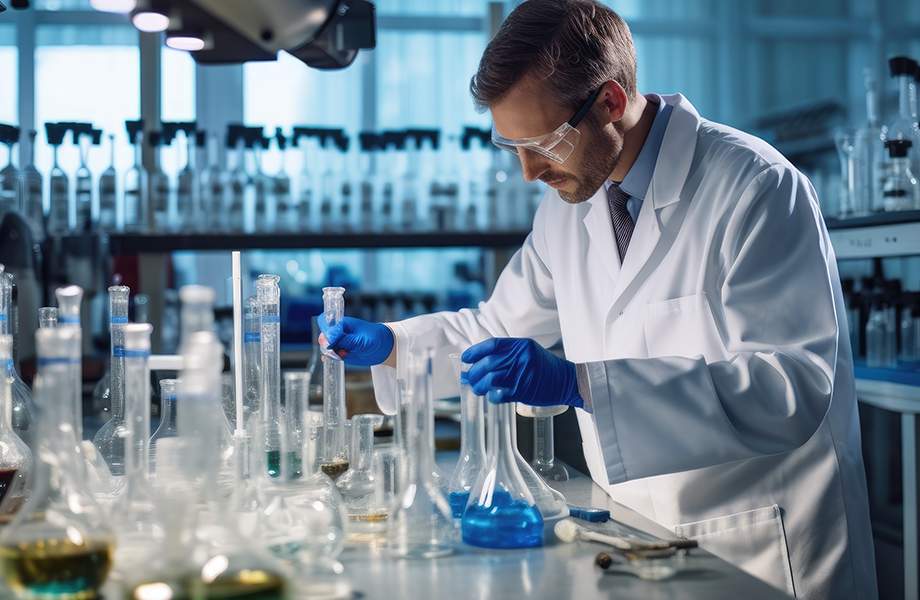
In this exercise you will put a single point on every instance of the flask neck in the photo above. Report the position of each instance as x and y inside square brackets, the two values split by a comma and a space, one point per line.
[363, 443]
[6, 401]
[472, 423]
[544, 451]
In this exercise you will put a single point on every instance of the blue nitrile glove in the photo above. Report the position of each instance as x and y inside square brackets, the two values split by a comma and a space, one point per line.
[521, 370]
[366, 343]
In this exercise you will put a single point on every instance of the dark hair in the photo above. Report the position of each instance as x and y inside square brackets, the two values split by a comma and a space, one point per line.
[570, 46]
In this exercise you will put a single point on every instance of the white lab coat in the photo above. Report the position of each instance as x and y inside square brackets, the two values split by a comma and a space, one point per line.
[720, 369]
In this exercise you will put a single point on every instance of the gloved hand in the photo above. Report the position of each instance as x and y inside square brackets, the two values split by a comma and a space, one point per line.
[521, 370]
[361, 343]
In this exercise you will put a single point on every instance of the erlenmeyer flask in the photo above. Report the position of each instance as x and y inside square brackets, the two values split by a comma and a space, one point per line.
[334, 459]
[167, 427]
[59, 545]
[110, 439]
[419, 523]
[361, 487]
[501, 513]
[472, 442]
[544, 459]
[15, 456]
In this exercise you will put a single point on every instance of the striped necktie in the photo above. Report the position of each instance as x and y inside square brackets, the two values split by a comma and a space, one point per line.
[622, 220]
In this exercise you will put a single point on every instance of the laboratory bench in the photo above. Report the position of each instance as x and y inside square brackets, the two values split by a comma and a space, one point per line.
[557, 570]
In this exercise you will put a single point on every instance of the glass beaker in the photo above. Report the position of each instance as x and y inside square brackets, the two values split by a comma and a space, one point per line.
[15, 456]
[69, 300]
[59, 545]
[334, 460]
[361, 487]
[472, 442]
[48, 317]
[167, 427]
[419, 523]
[270, 409]
[501, 512]
[110, 439]
[544, 456]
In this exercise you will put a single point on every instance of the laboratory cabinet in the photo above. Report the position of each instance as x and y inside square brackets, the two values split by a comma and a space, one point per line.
[890, 405]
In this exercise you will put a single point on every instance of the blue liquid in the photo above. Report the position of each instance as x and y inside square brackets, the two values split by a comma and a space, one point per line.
[506, 524]
[458, 502]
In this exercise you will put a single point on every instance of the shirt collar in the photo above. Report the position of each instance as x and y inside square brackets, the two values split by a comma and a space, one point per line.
[639, 177]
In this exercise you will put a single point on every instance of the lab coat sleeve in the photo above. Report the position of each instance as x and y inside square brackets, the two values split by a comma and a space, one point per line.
[769, 390]
[523, 304]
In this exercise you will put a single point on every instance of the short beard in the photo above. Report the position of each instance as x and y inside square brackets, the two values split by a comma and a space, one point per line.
[601, 155]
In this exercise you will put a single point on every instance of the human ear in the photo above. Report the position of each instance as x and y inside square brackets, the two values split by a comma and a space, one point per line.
[614, 100]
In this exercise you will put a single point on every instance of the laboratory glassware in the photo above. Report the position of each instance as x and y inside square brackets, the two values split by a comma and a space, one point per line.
[306, 180]
[136, 198]
[31, 202]
[108, 193]
[60, 544]
[269, 296]
[187, 192]
[47, 317]
[15, 456]
[445, 189]
[856, 189]
[159, 184]
[472, 441]
[909, 333]
[551, 503]
[904, 127]
[544, 458]
[419, 522]
[334, 459]
[501, 512]
[212, 187]
[252, 357]
[167, 427]
[23, 407]
[59, 207]
[238, 182]
[367, 189]
[83, 208]
[70, 299]
[296, 391]
[285, 209]
[264, 208]
[901, 190]
[110, 438]
[316, 365]
[411, 186]
[197, 312]
[9, 175]
[880, 338]
[361, 486]
[346, 195]
[389, 185]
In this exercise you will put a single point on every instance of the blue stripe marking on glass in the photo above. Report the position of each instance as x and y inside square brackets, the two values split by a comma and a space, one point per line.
[2, 316]
[63, 360]
[271, 319]
[171, 397]
[118, 351]
[252, 337]
[137, 353]
[118, 320]
[68, 319]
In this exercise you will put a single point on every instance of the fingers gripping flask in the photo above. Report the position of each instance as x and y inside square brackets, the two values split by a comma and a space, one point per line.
[501, 512]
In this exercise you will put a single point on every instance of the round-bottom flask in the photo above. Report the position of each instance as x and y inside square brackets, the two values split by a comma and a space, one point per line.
[501, 512]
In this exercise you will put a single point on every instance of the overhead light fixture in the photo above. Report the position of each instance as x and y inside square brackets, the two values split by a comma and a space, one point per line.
[150, 21]
[114, 6]
[189, 41]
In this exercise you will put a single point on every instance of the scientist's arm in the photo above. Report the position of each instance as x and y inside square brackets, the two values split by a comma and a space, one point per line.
[777, 320]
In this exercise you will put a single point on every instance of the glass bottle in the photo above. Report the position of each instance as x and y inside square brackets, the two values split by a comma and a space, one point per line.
[252, 357]
[544, 456]
[238, 182]
[9, 175]
[263, 201]
[212, 188]
[159, 185]
[48, 317]
[108, 193]
[329, 187]
[83, 208]
[187, 197]
[23, 407]
[69, 300]
[280, 191]
[501, 512]
[59, 206]
[901, 190]
[411, 188]
[315, 367]
[904, 126]
[15, 456]
[346, 189]
[110, 438]
[306, 181]
[334, 460]
[472, 442]
[31, 202]
[136, 201]
[909, 334]
[880, 339]
[361, 487]
[419, 523]
[270, 410]
[167, 427]
[59, 545]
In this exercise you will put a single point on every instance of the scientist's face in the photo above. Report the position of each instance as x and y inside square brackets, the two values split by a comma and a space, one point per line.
[524, 112]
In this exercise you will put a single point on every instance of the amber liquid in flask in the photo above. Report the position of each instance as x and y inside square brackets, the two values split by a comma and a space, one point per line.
[56, 568]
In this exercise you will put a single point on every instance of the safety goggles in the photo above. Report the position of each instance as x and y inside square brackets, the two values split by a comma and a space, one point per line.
[557, 145]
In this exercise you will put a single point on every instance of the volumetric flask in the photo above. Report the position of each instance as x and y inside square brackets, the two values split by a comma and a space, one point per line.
[335, 459]
[59, 545]
[551, 503]
[419, 523]
[110, 439]
[361, 486]
[472, 442]
[544, 459]
[502, 513]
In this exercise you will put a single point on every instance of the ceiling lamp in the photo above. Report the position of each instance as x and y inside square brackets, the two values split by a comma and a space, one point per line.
[114, 6]
[181, 40]
[151, 16]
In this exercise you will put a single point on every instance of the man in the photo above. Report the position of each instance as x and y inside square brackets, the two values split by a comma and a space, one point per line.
[686, 269]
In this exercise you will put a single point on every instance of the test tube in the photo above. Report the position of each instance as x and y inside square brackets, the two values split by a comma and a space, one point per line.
[269, 300]
[334, 461]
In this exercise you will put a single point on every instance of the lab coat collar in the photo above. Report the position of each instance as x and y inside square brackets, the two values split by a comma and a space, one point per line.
[673, 164]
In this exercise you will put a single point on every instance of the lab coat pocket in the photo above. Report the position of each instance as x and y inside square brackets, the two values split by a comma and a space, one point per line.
[682, 327]
[754, 541]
